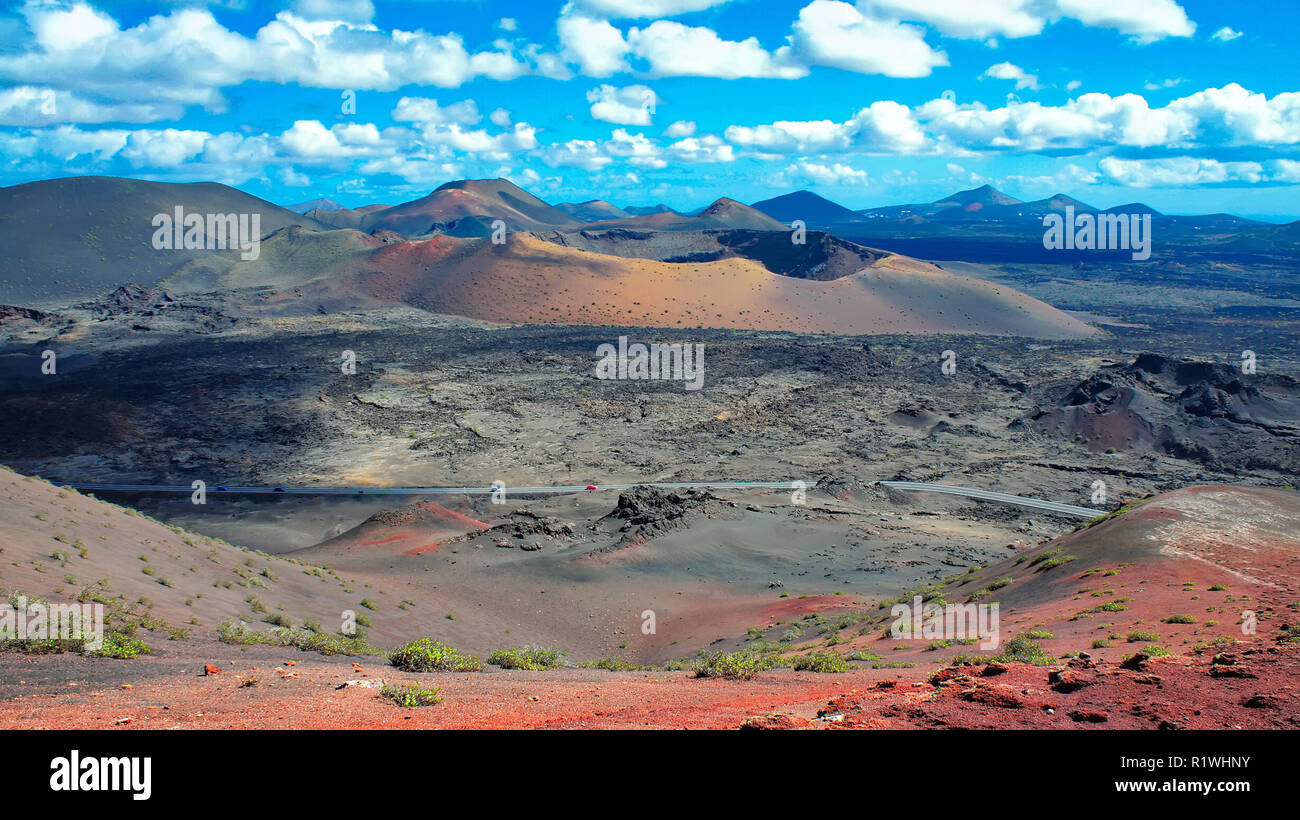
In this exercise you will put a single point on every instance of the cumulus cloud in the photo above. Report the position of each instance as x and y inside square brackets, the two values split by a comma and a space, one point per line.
[652, 9]
[28, 105]
[833, 33]
[429, 111]
[679, 129]
[1010, 71]
[1178, 172]
[79, 49]
[1145, 22]
[596, 46]
[352, 11]
[630, 105]
[884, 127]
[835, 173]
[708, 148]
[1225, 34]
[675, 50]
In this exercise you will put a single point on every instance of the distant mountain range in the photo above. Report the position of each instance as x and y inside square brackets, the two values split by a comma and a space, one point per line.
[984, 204]
[76, 238]
[728, 266]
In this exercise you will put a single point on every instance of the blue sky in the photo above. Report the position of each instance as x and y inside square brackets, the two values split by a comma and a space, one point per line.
[1187, 106]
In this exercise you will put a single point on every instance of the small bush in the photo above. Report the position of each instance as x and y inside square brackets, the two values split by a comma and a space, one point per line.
[1139, 635]
[529, 658]
[729, 665]
[410, 696]
[428, 655]
[1022, 649]
[1178, 619]
[821, 662]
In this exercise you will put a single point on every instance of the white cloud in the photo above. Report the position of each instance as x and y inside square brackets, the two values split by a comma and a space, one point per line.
[676, 50]
[428, 111]
[508, 24]
[885, 127]
[585, 154]
[186, 57]
[1228, 117]
[596, 46]
[1169, 83]
[652, 9]
[500, 117]
[309, 140]
[834, 33]
[1178, 172]
[832, 174]
[351, 11]
[1226, 34]
[1145, 21]
[1010, 71]
[630, 105]
[679, 129]
[708, 148]
[969, 20]
[28, 105]
[636, 149]
[291, 178]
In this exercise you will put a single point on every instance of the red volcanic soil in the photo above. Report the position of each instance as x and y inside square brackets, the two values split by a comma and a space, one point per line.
[299, 691]
[411, 530]
[1208, 575]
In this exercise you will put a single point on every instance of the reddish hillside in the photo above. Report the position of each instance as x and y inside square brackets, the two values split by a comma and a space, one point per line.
[527, 280]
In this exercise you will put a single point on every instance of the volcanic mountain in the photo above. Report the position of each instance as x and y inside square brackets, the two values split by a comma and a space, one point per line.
[593, 210]
[722, 214]
[646, 210]
[819, 256]
[321, 203]
[75, 238]
[468, 208]
[807, 206]
[527, 279]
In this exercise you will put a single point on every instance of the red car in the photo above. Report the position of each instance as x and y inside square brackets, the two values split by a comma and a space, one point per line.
[591, 487]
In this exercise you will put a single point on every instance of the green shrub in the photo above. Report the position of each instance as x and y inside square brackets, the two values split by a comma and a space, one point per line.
[1178, 619]
[1022, 649]
[821, 662]
[530, 658]
[121, 646]
[729, 665]
[1139, 635]
[428, 655]
[409, 695]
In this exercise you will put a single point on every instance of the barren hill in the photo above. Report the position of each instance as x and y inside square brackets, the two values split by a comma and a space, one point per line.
[467, 208]
[529, 280]
[75, 238]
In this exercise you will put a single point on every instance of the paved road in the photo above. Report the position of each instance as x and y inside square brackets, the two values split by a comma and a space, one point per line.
[908, 486]
[989, 495]
[568, 488]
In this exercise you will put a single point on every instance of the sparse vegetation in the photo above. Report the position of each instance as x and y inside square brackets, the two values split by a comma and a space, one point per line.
[529, 658]
[429, 655]
[409, 696]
